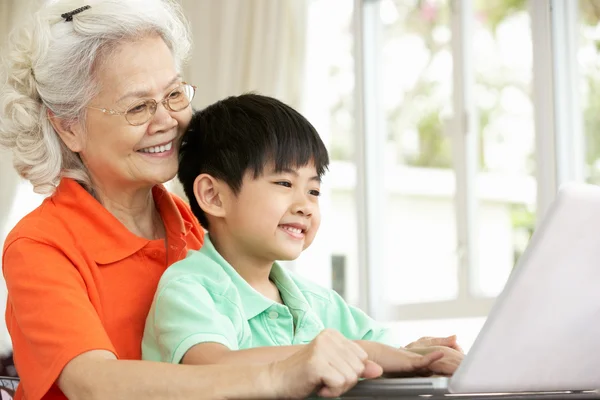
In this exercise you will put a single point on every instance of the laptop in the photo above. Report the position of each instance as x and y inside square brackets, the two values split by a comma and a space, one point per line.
[543, 332]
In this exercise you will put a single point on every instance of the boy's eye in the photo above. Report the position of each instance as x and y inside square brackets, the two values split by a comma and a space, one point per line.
[284, 183]
[315, 193]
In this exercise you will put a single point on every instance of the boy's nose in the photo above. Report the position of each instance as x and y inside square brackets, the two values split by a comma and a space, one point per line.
[302, 208]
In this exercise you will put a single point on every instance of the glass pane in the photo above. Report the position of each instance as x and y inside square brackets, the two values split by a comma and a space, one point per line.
[502, 50]
[416, 89]
[589, 69]
[329, 105]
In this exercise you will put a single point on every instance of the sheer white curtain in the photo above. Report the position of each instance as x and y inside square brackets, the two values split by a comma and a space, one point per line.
[247, 45]
[9, 10]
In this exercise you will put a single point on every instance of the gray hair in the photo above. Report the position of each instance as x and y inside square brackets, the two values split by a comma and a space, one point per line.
[49, 66]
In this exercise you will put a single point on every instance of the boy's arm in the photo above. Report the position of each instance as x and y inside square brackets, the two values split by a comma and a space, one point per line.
[184, 314]
[382, 345]
[354, 323]
[216, 353]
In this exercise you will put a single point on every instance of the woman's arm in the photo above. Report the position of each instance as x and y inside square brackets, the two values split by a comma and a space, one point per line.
[330, 363]
[99, 375]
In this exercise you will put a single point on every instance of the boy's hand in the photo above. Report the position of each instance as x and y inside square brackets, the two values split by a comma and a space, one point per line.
[401, 362]
[428, 341]
[446, 365]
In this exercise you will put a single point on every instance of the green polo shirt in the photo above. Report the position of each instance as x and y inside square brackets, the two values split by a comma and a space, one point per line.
[203, 299]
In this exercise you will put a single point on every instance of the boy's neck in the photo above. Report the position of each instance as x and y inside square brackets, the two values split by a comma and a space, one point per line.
[254, 270]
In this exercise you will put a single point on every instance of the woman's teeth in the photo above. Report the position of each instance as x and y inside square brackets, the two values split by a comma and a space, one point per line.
[158, 149]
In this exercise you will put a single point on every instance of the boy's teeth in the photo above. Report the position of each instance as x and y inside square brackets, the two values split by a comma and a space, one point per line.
[294, 230]
[158, 149]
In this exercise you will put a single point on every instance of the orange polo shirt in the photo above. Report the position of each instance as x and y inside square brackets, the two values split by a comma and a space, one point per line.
[78, 280]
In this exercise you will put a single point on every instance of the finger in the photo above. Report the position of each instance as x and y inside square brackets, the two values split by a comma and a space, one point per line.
[449, 341]
[418, 342]
[333, 383]
[346, 351]
[331, 393]
[453, 343]
[426, 360]
[343, 356]
[447, 365]
[348, 365]
[372, 370]
[442, 367]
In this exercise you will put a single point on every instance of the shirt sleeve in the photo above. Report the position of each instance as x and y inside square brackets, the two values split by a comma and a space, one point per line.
[355, 324]
[186, 313]
[49, 314]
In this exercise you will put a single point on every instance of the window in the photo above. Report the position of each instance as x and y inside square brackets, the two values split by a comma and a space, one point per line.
[431, 102]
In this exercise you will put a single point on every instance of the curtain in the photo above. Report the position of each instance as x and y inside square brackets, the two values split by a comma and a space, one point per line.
[247, 45]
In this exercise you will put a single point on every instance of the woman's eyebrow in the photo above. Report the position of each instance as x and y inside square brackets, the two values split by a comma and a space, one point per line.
[145, 93]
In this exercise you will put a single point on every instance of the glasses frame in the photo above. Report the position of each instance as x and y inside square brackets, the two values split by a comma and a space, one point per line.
[164, 102]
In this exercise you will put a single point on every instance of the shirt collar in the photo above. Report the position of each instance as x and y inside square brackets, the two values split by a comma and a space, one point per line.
[290, 293]
[102, 233]
[253, 302]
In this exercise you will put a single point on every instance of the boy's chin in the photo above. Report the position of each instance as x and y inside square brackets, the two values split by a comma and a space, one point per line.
[289, 255]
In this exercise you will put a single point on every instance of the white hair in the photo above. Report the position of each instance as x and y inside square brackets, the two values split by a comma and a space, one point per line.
[49, 66]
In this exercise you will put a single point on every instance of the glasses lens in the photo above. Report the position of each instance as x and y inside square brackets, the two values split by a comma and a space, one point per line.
[141, 112]
[181, 97]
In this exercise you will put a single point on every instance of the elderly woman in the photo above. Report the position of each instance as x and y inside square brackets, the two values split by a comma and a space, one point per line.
[92, 107]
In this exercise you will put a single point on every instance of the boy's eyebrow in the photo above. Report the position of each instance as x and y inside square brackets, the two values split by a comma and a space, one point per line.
[315, 178]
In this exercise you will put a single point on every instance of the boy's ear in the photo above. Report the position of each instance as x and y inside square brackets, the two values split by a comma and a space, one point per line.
[209, 193]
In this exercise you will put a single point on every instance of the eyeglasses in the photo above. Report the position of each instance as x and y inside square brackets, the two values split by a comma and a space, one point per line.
[142, 111]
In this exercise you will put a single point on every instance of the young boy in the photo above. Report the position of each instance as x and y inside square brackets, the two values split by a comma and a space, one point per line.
[251, 167]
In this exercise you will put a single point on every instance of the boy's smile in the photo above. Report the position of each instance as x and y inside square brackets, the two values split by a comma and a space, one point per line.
[295, 230]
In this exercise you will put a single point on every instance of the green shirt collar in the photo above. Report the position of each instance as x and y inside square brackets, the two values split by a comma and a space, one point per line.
[254, 302]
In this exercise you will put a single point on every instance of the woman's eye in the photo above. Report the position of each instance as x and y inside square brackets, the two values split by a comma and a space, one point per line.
[137, 109]
[284, 183]
[314, 193]
[176, 94]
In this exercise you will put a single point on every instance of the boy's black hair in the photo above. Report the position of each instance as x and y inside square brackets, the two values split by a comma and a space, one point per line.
[244, 133]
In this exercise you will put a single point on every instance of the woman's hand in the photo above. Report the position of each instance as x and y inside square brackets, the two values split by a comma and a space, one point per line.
[330, 364]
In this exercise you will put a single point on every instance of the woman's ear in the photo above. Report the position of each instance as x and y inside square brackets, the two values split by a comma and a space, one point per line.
[210, 194]
[70, 132]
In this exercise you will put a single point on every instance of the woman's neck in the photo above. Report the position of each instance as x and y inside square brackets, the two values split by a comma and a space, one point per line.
[133, 208]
